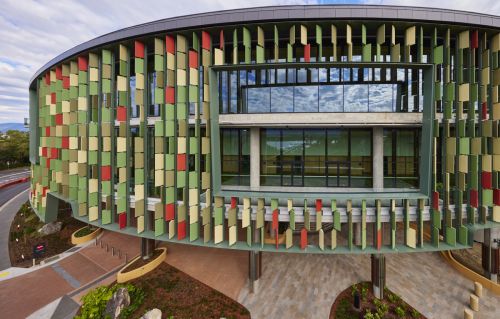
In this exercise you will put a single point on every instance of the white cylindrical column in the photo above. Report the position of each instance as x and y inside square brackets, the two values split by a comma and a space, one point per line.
[254, 158]
[378, 158]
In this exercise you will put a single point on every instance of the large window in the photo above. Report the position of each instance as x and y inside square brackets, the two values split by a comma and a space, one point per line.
[235, 154]
[401, 158]
[316, 157]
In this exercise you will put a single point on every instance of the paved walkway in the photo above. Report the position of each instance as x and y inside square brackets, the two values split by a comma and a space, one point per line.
[21, 296]
[14, 197]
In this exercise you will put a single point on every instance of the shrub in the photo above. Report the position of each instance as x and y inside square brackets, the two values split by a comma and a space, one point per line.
[415, 313]
[94, 302]
[354, 289]
[364, 292]
[382, 309]
[400, 312]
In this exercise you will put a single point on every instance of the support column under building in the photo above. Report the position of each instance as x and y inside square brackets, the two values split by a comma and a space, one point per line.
[378, 275]
[254, 270]
[378, 158]
[356, 234]
[490, 253]
[147, 247]
[254, 158]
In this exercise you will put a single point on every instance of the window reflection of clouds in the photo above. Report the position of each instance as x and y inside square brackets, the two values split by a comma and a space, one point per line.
[331, 98]
[356, 98]
[258, 100]
[306, 98]
[381, 98]
[282, 99]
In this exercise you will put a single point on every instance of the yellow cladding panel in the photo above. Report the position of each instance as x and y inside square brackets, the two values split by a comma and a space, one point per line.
[486, 163]
[193, 214]
[93, 75]
[106, 144]
[496, 77]
[496, 163]
[193, 76]
[485, 76]
[93, 143]
[171, 229]
[170, 61]
[93, 213]
[159, 178]
[463, 92]
[193, 196]
[181, 145]
[65, 106]
[303, 34]
[348, 38]
[411, 238]
[496, 214]
[139, 192]
[410, 36]
[232, 235]
[245, 218]
[121, 144]
[495, 43]
[288, 238]
[121, 83]
[159, 161]
[218, 234]
[73, 168]
[496, 145]
[246, 202]
[393, 35]
[73, 80]
[52, 76]
[123, 53]
[181, 77]
[82, 103]
[122, 174]
[381, 34]
[321, 239]
[82, 156]
[260, 36]
[463, 163]
[334, 34]
[93, 182]
[181, 43]
[139, 81]
[73, 143]
[218, 56]
[463, 39]
[205, 180]
[140, 224]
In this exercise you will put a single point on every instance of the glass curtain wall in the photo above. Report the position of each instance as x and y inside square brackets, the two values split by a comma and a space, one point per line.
[316, 157]
[235, 155]
[401, 158]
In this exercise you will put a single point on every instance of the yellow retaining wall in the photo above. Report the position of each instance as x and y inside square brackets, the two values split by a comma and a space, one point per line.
[80, 240]
[122, 277]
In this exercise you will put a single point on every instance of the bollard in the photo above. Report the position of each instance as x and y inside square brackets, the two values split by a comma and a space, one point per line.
[34, 262]
[478, 289]
[119, 254]
[468, 314]
[474, 302]
[107, 248]
[96, 242]
[112, 251]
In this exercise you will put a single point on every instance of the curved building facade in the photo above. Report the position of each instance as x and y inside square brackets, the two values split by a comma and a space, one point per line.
[318, 129]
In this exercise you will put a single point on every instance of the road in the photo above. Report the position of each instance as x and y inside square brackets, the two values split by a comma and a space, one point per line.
[13, 174]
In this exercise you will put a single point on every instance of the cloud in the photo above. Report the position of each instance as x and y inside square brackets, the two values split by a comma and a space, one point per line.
[34, 32]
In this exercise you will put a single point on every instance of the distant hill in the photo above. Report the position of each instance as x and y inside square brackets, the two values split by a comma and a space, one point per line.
[4, 127]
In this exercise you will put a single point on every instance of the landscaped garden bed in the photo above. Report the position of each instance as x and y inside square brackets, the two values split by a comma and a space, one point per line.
[85, 234]
[24, 235]
[392, 306]
[138, 267]
[175, 293]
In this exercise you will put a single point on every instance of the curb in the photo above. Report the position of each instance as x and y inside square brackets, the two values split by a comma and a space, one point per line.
[17, 181]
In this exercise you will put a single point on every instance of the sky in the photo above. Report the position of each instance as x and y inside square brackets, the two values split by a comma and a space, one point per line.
[34, 32]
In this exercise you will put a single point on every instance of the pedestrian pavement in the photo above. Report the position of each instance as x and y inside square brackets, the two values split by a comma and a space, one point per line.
[23, 295]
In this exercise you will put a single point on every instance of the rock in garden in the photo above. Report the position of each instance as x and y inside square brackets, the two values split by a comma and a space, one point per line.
[120, 300]
[154, 313]
[50, 228]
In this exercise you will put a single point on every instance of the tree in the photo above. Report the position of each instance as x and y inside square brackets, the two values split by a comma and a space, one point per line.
[14, 149]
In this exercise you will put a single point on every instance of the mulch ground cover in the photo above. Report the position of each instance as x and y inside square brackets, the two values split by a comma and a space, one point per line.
[392, 306]
[25, 227]
[181, 296]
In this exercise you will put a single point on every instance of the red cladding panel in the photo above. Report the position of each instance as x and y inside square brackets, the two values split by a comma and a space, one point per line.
[59, 119]
[275, 219]
[47, 78]
[59, 73]
[53, 98]
[486, 180]
[65, 142]
[206, 41]
[44, 151]
[106, 173]
[181, 162]
[82, 63]
[496, 197]
[221, 39]
[474, 41]
[484, 110]
[307, 53]
[435, 200]
[47, 131]
[169, 211]
[193, 59]
[139, 49]
[65, 82]
[319, 205]
[276, 238]
[474, 198]
[169, 95]
[169, 44]
[54, 152]
[44, 191]
[121, 113]
[122, 220]
[234, 202]
[47, 162]
[181, 230]
[303, 238]
[379, 239]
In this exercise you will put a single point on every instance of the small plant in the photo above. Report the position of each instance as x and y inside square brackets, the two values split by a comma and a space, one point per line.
[415, 313]
[382, 309]
[400, 312]
[370, 315]
[364, 292]
[354, 289]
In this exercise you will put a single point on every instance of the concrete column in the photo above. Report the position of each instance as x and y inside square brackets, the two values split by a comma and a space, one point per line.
[490, 253]
[254, 270]
[147, 247]
[378, 158]
[378, 275]
[254, 158]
